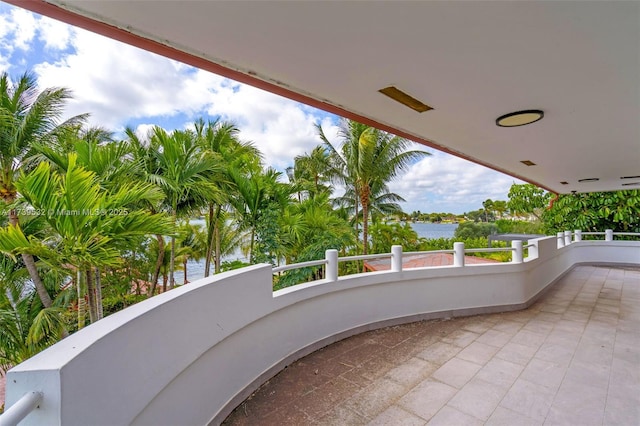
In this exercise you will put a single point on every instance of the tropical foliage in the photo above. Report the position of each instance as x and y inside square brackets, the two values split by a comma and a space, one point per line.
[93, 221]
[595, 212]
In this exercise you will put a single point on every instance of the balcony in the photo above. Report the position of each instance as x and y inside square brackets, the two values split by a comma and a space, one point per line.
[221, 338]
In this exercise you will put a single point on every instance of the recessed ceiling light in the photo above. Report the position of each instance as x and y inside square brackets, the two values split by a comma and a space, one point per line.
[520, 118]
[528, 163]
[631, 184]
[405, 99]
[564, 183]
[630, 177]
[589, 180]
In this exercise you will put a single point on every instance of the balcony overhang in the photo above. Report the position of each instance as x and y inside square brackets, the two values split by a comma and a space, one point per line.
[577, 62]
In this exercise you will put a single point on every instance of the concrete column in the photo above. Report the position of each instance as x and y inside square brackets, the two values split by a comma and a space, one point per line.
[331, 257]
[396, 258]
[577, 235]
[560, 237]
[516, 256]
[567, 238]
[608, 235]
[458, 255]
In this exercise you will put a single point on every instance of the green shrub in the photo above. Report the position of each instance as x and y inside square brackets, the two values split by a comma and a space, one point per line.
[474, 230]
[506, 226]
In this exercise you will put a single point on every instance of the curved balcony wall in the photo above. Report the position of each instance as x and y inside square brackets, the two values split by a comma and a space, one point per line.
[189, 356]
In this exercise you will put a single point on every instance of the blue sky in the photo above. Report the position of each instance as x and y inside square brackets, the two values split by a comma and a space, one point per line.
[120, 85]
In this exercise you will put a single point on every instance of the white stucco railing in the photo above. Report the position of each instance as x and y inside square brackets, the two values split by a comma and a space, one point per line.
[190, 355]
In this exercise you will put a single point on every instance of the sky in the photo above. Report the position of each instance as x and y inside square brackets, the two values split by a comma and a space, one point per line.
[120, 86]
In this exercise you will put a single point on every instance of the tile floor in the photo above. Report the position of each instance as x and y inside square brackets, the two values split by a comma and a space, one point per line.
[573, 358]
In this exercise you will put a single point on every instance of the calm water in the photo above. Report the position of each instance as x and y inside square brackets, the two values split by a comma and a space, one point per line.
[424, 230]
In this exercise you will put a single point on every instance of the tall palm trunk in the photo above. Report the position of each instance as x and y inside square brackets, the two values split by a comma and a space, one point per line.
[91, 292]
[82, 303]
[159, 262]
[172, 264]
[253, 239]
[184, 265]
[100, 309]
[30, 264]
[210, 242]
[172, 257]
[216, 234]
[364, 200]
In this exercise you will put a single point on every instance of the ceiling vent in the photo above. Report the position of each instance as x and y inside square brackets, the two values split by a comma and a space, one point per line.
[405, 99]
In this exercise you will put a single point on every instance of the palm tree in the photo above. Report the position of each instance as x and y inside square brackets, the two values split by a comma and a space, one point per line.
[488, 208]
[26, 327]
[145, 166]
[221, 138]
[89, 227]
[193, 245]
[311, 171]
[27, 117]
[186, 174]
[258, 195]
[368, 158]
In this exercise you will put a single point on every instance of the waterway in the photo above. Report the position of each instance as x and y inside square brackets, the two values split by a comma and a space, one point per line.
[424, 230]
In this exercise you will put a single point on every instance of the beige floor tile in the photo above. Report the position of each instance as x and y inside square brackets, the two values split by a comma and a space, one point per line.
[411, 372]
[577, 404]
[529, 338]
[544, 373]
[509, 327]
[478, 398]
[539, 326]
[439, 352]
[456, 372]
[395, 415]
[426, 399]
[448, 416]
[529, 399]
[339, 416]
[557, 353]
[462, 338]
[517, 353]
[372, 400]
[478, 352]
[500, 372]
[505, 417]
[623, 410]
[494, 338]
[478, 326]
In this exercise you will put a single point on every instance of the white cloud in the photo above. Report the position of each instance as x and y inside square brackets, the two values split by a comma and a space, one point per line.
[23, 25]
[55, 34]
[443, 183]
[116, 82]
[281, 128]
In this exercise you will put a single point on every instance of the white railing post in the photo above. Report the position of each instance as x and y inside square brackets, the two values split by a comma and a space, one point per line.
[577, 235]
[331, 256]
[21, 409]
[396, 258]
[560, 237]
[458, 254]
[516, 255]
[567, 238]
[533, 249]
[608, 235]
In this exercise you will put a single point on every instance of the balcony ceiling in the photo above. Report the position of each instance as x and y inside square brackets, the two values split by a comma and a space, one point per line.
[579, 62]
